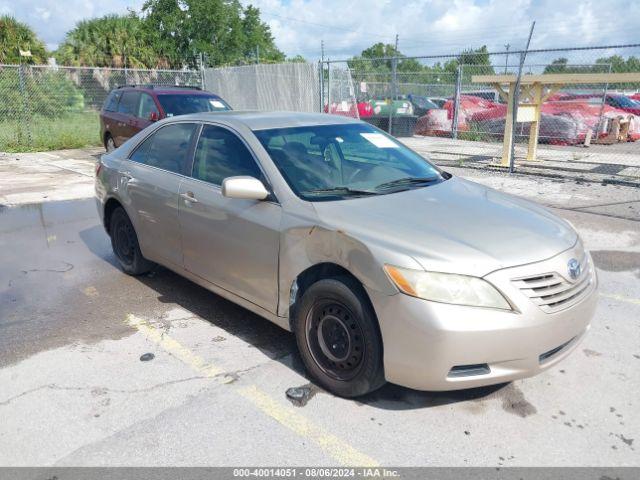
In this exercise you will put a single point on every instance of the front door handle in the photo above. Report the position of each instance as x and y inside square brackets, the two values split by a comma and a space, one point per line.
[189, 197]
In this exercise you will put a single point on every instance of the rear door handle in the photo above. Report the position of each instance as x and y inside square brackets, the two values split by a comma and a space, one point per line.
[127, 175]
[189, 197]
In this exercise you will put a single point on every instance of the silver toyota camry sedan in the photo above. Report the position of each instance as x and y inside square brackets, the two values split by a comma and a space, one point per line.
[385, 267]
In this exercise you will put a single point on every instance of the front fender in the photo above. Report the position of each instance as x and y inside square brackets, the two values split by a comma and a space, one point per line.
[302, 247]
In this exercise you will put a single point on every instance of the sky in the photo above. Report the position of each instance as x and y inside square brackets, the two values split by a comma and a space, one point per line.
[425, 27]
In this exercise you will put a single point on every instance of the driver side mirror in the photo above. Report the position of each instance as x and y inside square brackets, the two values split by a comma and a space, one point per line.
[247, 188]
[153, 116]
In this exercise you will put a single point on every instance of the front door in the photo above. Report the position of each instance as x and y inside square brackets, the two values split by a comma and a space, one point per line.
[154, 172]
[230, 242]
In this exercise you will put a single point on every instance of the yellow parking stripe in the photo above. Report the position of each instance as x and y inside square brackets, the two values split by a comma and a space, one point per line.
[284, 415]
[621, 298]
[338, 449]
[174, 348]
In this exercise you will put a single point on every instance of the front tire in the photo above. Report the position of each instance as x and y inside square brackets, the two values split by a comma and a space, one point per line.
[338, 337]
[124, 242]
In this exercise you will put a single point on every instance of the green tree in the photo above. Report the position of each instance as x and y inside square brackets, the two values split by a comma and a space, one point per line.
[110, 41]
[296, 59]
[475, 62]
[224, 31]
[16, 36]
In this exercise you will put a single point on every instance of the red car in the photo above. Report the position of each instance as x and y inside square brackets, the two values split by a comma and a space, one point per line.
[615, 100]
[131, 108]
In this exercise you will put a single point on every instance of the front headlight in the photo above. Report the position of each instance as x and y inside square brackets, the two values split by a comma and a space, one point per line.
[447, 288]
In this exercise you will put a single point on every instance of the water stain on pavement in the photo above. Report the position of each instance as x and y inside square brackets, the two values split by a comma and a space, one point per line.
[616, 260]
[513, 401]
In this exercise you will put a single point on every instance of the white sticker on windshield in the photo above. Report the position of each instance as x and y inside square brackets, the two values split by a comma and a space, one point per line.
[379, 140]
[217, 103]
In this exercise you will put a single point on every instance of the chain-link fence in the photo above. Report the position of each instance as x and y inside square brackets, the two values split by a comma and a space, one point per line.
[44, 107]
[452, 107]
[284, 86]
[456, 107]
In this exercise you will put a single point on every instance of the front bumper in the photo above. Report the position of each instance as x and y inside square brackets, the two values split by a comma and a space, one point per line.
[423, 341]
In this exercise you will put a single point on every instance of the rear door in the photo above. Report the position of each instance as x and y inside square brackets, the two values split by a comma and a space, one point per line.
[230, 242]
[127, 111]
[154, 172]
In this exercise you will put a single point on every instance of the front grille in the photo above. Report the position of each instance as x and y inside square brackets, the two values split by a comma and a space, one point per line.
[552, 292]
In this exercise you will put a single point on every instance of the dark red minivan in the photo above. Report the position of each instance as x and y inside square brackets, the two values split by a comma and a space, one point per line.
[131, 108]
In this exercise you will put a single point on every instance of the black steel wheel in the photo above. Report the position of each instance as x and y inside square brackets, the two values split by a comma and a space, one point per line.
[110, 144]
[124, 242]
[335, 339]
[338, 337]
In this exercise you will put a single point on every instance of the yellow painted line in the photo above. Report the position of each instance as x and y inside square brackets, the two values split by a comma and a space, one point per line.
[338, 449]
[284, 415]
[621, 298]
[174, 348]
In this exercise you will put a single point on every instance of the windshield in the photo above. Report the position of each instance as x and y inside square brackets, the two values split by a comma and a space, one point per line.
[331, 162]
[181, 104]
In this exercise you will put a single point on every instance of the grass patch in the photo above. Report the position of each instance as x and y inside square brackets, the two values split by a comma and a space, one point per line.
[71, 130]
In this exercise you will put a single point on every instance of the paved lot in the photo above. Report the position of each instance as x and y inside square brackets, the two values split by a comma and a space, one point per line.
[618, 163]
[74, 391]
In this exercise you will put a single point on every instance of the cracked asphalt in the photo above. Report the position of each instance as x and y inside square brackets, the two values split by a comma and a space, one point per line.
[78, 388]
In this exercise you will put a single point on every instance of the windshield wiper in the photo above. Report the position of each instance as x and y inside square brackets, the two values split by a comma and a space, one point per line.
[341, 191]
[401, 182]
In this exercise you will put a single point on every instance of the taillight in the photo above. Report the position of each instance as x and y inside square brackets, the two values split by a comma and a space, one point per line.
[98, 167]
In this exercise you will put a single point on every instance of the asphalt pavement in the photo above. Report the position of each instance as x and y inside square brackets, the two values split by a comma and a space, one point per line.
[99, 368]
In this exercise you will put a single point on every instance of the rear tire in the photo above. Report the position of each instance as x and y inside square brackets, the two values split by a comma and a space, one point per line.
[124, 242]
[338, 337]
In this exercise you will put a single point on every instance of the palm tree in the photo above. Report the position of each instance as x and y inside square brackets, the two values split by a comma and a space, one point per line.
[16, 36]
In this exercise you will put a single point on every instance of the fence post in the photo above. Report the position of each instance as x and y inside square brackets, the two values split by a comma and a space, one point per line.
[328, 87]
[24, 94]
[456, 103]
[394, 68]
[202, 78]
[321, 84]
[604, 102]
[514, 115]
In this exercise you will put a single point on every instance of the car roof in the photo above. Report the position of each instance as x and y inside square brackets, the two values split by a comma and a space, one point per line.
[161, 89]
[267, 120]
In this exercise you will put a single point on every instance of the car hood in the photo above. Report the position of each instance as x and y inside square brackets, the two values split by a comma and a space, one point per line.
[455, 226]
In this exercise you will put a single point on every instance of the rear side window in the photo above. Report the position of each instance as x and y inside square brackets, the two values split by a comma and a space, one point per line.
[167, 148]
[221, 154]
[147, 106]
[129, 103]
[111, 103]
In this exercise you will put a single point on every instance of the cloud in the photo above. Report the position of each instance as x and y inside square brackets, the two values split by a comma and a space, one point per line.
[52, 19]
[445, 26]
[426, 27]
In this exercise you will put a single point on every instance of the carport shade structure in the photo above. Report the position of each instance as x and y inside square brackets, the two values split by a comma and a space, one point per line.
[534, 91]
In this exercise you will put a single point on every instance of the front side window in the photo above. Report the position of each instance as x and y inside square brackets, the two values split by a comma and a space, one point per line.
[183, 104]
[167, 148]
[129, 103]
[221, 154]
[330, 162]
[147, 107]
